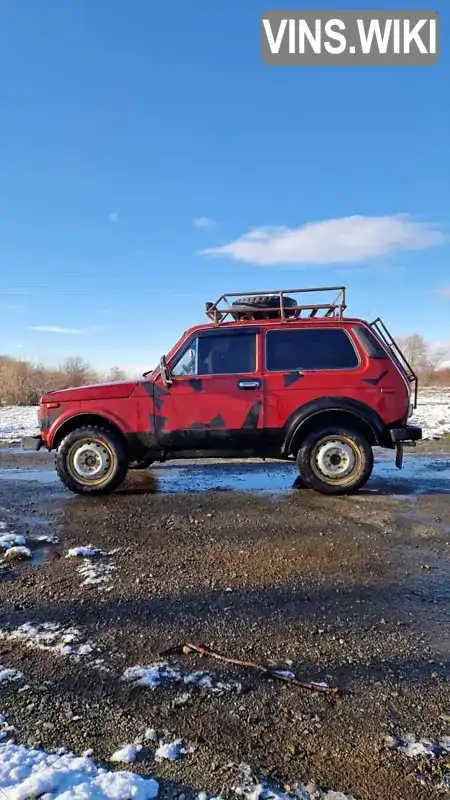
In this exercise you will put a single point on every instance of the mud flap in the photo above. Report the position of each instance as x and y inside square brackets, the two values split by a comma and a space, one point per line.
[399, 456]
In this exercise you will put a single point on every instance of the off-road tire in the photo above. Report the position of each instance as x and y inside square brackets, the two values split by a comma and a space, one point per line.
[106, 442]
[144, 463]
[314, 460]
[260, 307]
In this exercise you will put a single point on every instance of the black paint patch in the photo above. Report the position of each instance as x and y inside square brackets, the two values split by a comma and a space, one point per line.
[46, 422]
[159, 422]
[375, 381]
[159, 394]
[216, 422]
[291, 377]
[251, 420]
[197, 384]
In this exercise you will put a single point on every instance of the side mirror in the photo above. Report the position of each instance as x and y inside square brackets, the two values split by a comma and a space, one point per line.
[165, 374]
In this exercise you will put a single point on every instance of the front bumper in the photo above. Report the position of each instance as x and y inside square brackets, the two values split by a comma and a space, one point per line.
[32, 443]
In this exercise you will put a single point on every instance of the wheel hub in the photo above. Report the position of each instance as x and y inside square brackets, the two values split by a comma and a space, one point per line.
[91, 461]
[335, 459]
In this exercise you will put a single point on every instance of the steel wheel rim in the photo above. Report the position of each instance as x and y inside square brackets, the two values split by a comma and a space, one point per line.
[90, 461]
[337, 460]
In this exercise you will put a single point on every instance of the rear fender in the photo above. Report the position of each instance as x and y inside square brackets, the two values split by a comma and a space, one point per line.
[305, 417]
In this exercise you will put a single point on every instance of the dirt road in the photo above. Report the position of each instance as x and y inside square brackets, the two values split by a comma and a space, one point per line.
[353, 592]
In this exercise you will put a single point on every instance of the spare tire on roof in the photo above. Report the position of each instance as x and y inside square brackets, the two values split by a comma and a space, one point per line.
[262, 307]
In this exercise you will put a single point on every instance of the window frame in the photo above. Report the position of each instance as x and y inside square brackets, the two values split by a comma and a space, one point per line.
[209, 334]
[316, 369]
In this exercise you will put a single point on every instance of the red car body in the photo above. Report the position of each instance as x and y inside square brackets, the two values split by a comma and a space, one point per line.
[265, 407]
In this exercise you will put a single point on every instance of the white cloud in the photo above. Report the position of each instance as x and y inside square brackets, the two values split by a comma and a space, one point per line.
[58, 329]
[204, 222]
[114, 217]
[332, 241]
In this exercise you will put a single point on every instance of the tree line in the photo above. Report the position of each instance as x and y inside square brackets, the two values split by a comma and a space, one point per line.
[23, 383]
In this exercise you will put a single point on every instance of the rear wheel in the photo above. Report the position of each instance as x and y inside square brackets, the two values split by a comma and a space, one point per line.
[335, 461]
[91, 460]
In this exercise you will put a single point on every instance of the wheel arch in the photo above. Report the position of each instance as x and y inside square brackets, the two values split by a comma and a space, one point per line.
[82, 420]
[326, 412]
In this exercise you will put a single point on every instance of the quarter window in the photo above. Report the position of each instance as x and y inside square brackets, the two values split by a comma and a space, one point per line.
[313, 349]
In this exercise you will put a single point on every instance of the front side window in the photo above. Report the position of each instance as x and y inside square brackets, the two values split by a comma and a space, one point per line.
[218, 354]
[314, 349]
[187, 362]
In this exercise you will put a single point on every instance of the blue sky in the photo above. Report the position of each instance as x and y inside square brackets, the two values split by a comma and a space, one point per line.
[123, 124]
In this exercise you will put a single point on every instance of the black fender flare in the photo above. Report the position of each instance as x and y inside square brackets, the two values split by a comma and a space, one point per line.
[305, 414]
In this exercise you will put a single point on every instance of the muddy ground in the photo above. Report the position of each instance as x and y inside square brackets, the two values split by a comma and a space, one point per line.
[240, 558]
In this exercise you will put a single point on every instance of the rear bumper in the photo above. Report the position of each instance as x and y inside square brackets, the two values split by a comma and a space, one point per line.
[409, 433]
[32, 443]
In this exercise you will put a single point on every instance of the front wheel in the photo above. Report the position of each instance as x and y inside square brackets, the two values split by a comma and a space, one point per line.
[91, 460]
[335, 461]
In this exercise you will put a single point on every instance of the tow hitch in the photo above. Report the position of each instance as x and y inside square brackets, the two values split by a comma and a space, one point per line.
[399, 456]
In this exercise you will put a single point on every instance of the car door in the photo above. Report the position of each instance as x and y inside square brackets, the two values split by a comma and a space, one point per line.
[215, 397]
[303, 363]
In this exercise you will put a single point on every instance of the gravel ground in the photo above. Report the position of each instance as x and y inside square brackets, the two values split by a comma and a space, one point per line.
[350, 591]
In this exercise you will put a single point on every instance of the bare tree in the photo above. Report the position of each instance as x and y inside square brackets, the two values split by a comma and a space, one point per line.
[415, 349]
[76, 372]
[114, 374]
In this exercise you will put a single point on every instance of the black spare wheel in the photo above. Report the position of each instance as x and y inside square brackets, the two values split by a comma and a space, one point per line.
[262, 307]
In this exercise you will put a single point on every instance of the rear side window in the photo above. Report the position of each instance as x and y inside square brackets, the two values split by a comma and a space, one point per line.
[369, 342]
[313, 349]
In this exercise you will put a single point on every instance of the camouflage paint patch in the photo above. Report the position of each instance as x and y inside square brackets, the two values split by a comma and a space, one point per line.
[197, 384]
[291, 377]
[375, 381]
[251, 420]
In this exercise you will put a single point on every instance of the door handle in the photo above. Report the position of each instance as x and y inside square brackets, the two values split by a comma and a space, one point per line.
[249, 384]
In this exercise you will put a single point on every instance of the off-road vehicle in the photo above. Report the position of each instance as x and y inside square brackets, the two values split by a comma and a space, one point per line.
[270, 375]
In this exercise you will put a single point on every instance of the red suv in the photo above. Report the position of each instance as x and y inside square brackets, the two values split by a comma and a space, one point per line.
[267, 376]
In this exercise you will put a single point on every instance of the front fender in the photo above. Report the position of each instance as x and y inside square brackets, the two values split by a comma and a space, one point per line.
[58, 418]
[304, 414]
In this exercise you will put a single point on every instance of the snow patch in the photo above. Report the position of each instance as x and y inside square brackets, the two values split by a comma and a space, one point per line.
[251, 788]
[160, 673]
[58, 639]
[171, 751]
[84, 552]
[433, 413]
[95, 574]
[9, 675]
[18, 421]
[127, 754]
[413, 747]
[28, 773]
[8, 540]
[17, 552]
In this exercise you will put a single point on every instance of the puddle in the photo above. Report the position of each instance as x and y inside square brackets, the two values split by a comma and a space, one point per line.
[430, 523]
[45, 476]
[420, 475]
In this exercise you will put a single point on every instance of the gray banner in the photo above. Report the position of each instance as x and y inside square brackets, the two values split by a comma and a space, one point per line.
[350, 38]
